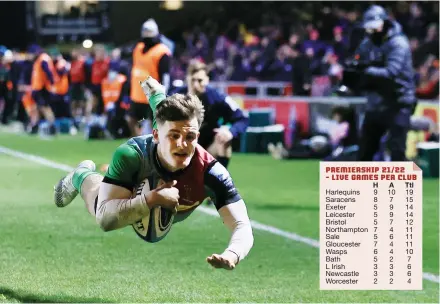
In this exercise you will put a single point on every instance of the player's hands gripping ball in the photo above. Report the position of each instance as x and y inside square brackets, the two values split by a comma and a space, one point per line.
[166, 195]
[162, 202]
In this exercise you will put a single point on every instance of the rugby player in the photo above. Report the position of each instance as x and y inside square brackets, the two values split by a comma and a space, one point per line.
[220, 109]
[183, 175]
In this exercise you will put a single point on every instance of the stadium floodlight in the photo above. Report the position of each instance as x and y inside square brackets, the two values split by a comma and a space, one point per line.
[87, 44]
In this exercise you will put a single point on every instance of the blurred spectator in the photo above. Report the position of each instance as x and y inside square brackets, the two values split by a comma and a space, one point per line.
[339, 43]
[315, 44]
[301, 73]
[197, 44]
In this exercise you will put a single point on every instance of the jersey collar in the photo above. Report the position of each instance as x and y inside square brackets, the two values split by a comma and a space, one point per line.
[164, 173]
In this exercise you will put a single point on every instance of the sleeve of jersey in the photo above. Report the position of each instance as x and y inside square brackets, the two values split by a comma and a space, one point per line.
[219, 182]
[233, 114]
[154, 100]
[123, 166]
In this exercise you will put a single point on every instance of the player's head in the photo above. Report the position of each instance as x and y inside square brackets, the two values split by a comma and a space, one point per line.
[197, 77]
[178, 120]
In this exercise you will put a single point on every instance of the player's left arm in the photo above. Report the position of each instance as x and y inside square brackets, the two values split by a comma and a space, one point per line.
[232, 114]
[233, 212]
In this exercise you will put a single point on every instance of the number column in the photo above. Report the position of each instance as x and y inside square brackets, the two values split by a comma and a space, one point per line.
[391, 234]
[376, 243]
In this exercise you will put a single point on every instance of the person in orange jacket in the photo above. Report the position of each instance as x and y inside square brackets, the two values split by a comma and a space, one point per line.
[151, 57]
[43, 80]
[115, 89]
[60, 100]
[77, 79]
[97, 71]
[115, 101]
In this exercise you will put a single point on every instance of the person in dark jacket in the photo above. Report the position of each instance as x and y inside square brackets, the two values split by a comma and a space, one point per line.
[384, 62]
[220, 109]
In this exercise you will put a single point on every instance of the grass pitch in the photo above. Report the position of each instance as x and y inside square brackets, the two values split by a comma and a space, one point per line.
[51, 254]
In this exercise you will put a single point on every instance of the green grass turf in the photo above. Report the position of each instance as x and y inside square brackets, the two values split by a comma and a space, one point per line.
[60, 255]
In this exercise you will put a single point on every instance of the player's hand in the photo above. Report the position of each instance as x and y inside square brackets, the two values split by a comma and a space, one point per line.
[151, 86]
[223, 135]
[227, 260]
[165, 195]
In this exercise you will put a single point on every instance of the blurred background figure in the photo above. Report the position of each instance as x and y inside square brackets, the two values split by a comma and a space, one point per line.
[215, 135]
[339, 143]
[77, 86]
[43, 82]
[97, 69]
[150, 58]
[6, 100]
[383, 69]
[60, 102]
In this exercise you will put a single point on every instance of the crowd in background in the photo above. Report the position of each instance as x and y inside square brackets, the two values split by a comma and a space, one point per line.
[294, 44]
[267, 43]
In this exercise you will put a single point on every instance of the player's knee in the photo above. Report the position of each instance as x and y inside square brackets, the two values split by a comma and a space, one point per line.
[106, 223]
[220, 146]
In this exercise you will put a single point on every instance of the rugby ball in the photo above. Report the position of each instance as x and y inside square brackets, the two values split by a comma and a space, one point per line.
[157, 224]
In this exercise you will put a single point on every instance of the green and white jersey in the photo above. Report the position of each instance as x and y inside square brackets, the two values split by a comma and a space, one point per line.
[204, 178]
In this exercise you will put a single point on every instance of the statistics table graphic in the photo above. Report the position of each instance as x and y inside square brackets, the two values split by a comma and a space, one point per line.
[370, 226]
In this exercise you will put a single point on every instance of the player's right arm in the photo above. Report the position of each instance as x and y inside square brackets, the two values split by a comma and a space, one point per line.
[233, 212]
[116, 206]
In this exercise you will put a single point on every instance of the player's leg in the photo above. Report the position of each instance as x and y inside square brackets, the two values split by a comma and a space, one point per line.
[32, 112]
[398, 131]
[84, 180]
[221, 151]
[43, 99]
[89, 190]
[372, 131]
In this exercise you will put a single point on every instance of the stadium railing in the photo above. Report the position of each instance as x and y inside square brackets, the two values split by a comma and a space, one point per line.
[312, 114]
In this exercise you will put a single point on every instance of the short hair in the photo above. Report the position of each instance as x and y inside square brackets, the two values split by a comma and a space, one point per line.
[180, 107]
[196, 66]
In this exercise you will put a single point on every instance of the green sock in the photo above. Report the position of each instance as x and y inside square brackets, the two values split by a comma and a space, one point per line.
[154, 101]
[79, 176]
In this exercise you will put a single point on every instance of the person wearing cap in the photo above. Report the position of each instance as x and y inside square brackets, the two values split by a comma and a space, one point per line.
[151, 57]
[387, 78]
[44, 77]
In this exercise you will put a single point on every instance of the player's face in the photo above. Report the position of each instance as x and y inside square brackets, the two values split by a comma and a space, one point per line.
[198, 82]
[177, 141]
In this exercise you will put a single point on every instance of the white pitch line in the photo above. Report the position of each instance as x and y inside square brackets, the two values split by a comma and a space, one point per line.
[256, 225]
